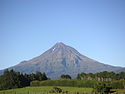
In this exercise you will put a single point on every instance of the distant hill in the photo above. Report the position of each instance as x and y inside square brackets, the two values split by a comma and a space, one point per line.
[63, 59]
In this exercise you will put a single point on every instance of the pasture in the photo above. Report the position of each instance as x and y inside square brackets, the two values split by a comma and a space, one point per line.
[46, 89]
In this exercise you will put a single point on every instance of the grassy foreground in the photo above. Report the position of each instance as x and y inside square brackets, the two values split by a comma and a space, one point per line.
[46, 89]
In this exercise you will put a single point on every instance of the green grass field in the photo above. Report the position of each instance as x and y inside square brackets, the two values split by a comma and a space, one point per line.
[46, 89]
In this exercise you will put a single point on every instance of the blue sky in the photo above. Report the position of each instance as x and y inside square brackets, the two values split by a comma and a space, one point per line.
[96, 28]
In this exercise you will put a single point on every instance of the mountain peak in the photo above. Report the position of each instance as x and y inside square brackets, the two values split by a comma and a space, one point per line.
[62, 59]
[60, 44]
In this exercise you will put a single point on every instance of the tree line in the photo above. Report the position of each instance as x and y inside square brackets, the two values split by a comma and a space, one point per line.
[102, 76]
[114, 80]
[119, 84]
[11, 79]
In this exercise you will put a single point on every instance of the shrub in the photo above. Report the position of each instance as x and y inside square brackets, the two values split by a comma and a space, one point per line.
[56, 90]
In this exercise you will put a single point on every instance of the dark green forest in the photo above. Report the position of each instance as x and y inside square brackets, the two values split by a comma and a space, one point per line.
[11, 79]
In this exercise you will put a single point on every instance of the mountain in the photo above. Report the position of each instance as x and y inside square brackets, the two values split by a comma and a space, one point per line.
[63, 59]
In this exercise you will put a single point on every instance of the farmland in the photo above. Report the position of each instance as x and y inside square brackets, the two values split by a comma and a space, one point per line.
[46, 89]
[12, 82]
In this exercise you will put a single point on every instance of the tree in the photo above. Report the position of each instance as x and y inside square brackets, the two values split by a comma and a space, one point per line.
[81, 76]
[40, 76]
[11, 79]
[102, 88]
[65, 76]
[56, 90]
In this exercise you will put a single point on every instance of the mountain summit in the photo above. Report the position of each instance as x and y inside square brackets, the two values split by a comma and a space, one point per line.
[62, 59]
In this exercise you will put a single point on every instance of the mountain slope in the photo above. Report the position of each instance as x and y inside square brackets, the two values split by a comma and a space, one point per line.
[63, 59]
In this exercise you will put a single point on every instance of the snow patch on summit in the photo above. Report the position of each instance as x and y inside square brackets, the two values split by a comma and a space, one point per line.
[54, 49]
